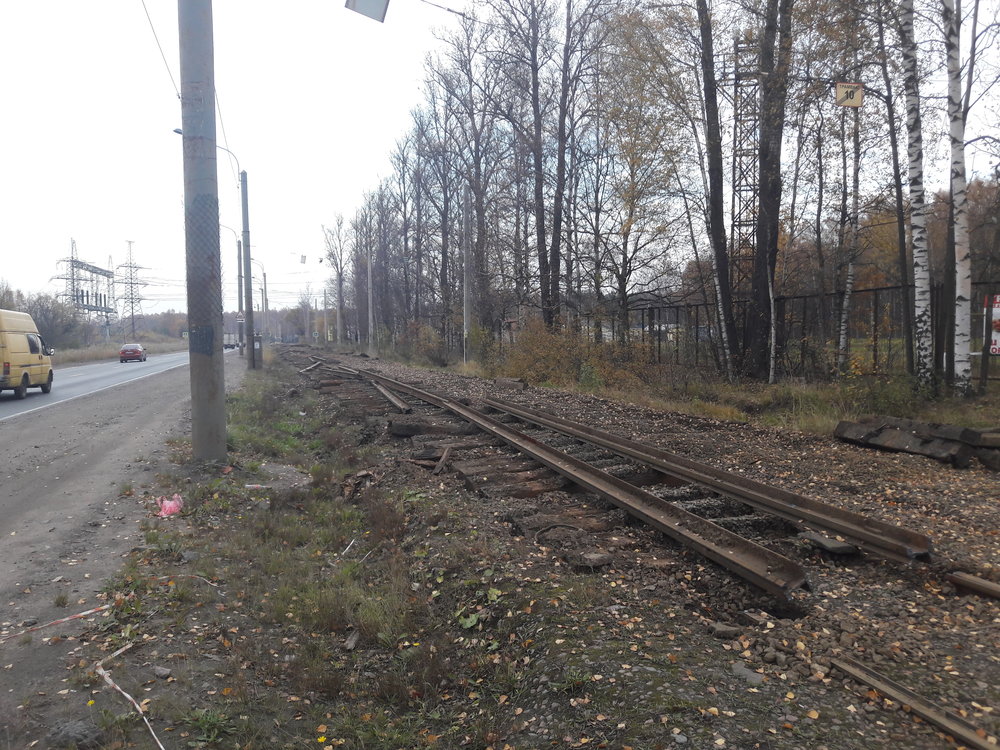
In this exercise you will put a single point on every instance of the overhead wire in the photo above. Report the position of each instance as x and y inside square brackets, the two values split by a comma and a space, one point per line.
[225, 138]
[160, 47]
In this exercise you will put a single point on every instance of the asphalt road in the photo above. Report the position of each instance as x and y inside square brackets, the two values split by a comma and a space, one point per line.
[85, 380]
[65, 522]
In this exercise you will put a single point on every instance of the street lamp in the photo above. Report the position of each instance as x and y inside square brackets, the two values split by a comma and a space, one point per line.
[239, 288]
[266, 329]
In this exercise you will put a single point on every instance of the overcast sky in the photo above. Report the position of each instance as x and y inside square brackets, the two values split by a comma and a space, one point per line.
[312, 96]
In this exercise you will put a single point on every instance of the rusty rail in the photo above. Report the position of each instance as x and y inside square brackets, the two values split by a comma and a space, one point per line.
[764, 568]
[958, 728]
[875, 536]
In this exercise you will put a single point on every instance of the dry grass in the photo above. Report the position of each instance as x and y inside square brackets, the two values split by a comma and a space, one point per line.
[624, 373]
[155, 343]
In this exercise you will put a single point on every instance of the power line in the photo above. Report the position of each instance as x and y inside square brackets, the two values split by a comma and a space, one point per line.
[225, 138]
[160, 47]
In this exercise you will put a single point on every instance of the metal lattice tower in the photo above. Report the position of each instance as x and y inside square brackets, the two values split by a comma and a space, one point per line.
[746, 175]
[89, 289]
[132, 299]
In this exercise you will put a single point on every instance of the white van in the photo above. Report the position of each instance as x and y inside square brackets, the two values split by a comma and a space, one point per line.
[25, 360]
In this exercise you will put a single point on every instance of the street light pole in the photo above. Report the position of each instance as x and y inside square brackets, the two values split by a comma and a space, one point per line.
[239, 288]
[263, 296]
[254, 356]
[201, 231]
[240, 318]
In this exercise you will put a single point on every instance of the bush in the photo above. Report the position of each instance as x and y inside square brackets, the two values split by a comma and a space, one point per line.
[543, 356]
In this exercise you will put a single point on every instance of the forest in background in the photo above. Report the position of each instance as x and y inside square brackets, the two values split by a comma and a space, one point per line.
[676, 176]
[578, 160]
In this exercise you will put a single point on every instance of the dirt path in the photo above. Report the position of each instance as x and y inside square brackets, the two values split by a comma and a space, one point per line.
[66, 523]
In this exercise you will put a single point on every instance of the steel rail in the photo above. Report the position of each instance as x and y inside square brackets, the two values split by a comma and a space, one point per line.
[760, 566]
[963, 732]
[393, 399]
[875, 536]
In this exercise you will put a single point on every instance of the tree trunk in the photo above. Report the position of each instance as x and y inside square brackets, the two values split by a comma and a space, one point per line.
[897, 187]
[922, 323]
[960, 218]
[843, 347]
[715, 197]
[775, 58]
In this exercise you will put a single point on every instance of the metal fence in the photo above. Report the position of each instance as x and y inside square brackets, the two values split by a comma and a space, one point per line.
[807, 331]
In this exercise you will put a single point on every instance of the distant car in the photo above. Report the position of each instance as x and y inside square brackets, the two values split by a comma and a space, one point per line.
[132, 351]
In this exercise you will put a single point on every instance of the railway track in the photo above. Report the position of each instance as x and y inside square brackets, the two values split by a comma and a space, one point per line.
[751, 561]
[848, 626]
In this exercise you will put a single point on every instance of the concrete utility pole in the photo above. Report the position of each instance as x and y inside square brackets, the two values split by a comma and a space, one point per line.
[326, 325]
[255, 356]
[466, 241]
[201, 231]
[239, 295]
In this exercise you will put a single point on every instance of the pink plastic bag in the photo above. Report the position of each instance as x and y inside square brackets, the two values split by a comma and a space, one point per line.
[169, 507]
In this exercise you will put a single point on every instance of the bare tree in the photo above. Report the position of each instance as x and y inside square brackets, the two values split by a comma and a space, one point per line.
[523, 56]
[336, 254]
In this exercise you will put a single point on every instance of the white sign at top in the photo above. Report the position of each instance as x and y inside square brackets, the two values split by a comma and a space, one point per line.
[849, 94]
[994, 332]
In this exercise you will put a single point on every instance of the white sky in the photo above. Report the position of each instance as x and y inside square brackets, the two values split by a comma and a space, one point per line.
[313, 98]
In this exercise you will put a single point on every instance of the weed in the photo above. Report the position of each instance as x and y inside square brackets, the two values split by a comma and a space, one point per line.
[120, 724]
[208, 724]
[321, 475]
[61, 600]
[386, 518]
[572, 681]
[313, 670]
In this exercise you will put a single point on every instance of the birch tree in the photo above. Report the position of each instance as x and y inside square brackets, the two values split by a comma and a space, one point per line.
[952, 22]
[922, 335]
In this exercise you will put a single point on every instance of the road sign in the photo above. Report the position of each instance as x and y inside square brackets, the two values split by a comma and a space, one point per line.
[315, 334]
[241, 318]
[994, 316]
[849, 94]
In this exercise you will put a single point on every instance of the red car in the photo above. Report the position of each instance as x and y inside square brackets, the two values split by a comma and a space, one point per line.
[132, 351]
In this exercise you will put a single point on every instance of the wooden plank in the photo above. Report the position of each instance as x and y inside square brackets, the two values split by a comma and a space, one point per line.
[442, 461]
[514, 383]
[853, 432]
[896, 439]
[989, 457]
[524, 489]
[494, 466]
[439, 443]
[989, 440]
[409, 427]
[929, 430]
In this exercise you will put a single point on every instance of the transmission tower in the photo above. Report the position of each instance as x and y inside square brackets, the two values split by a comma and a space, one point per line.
[132, 299]
[746, 179]
[89, 288]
